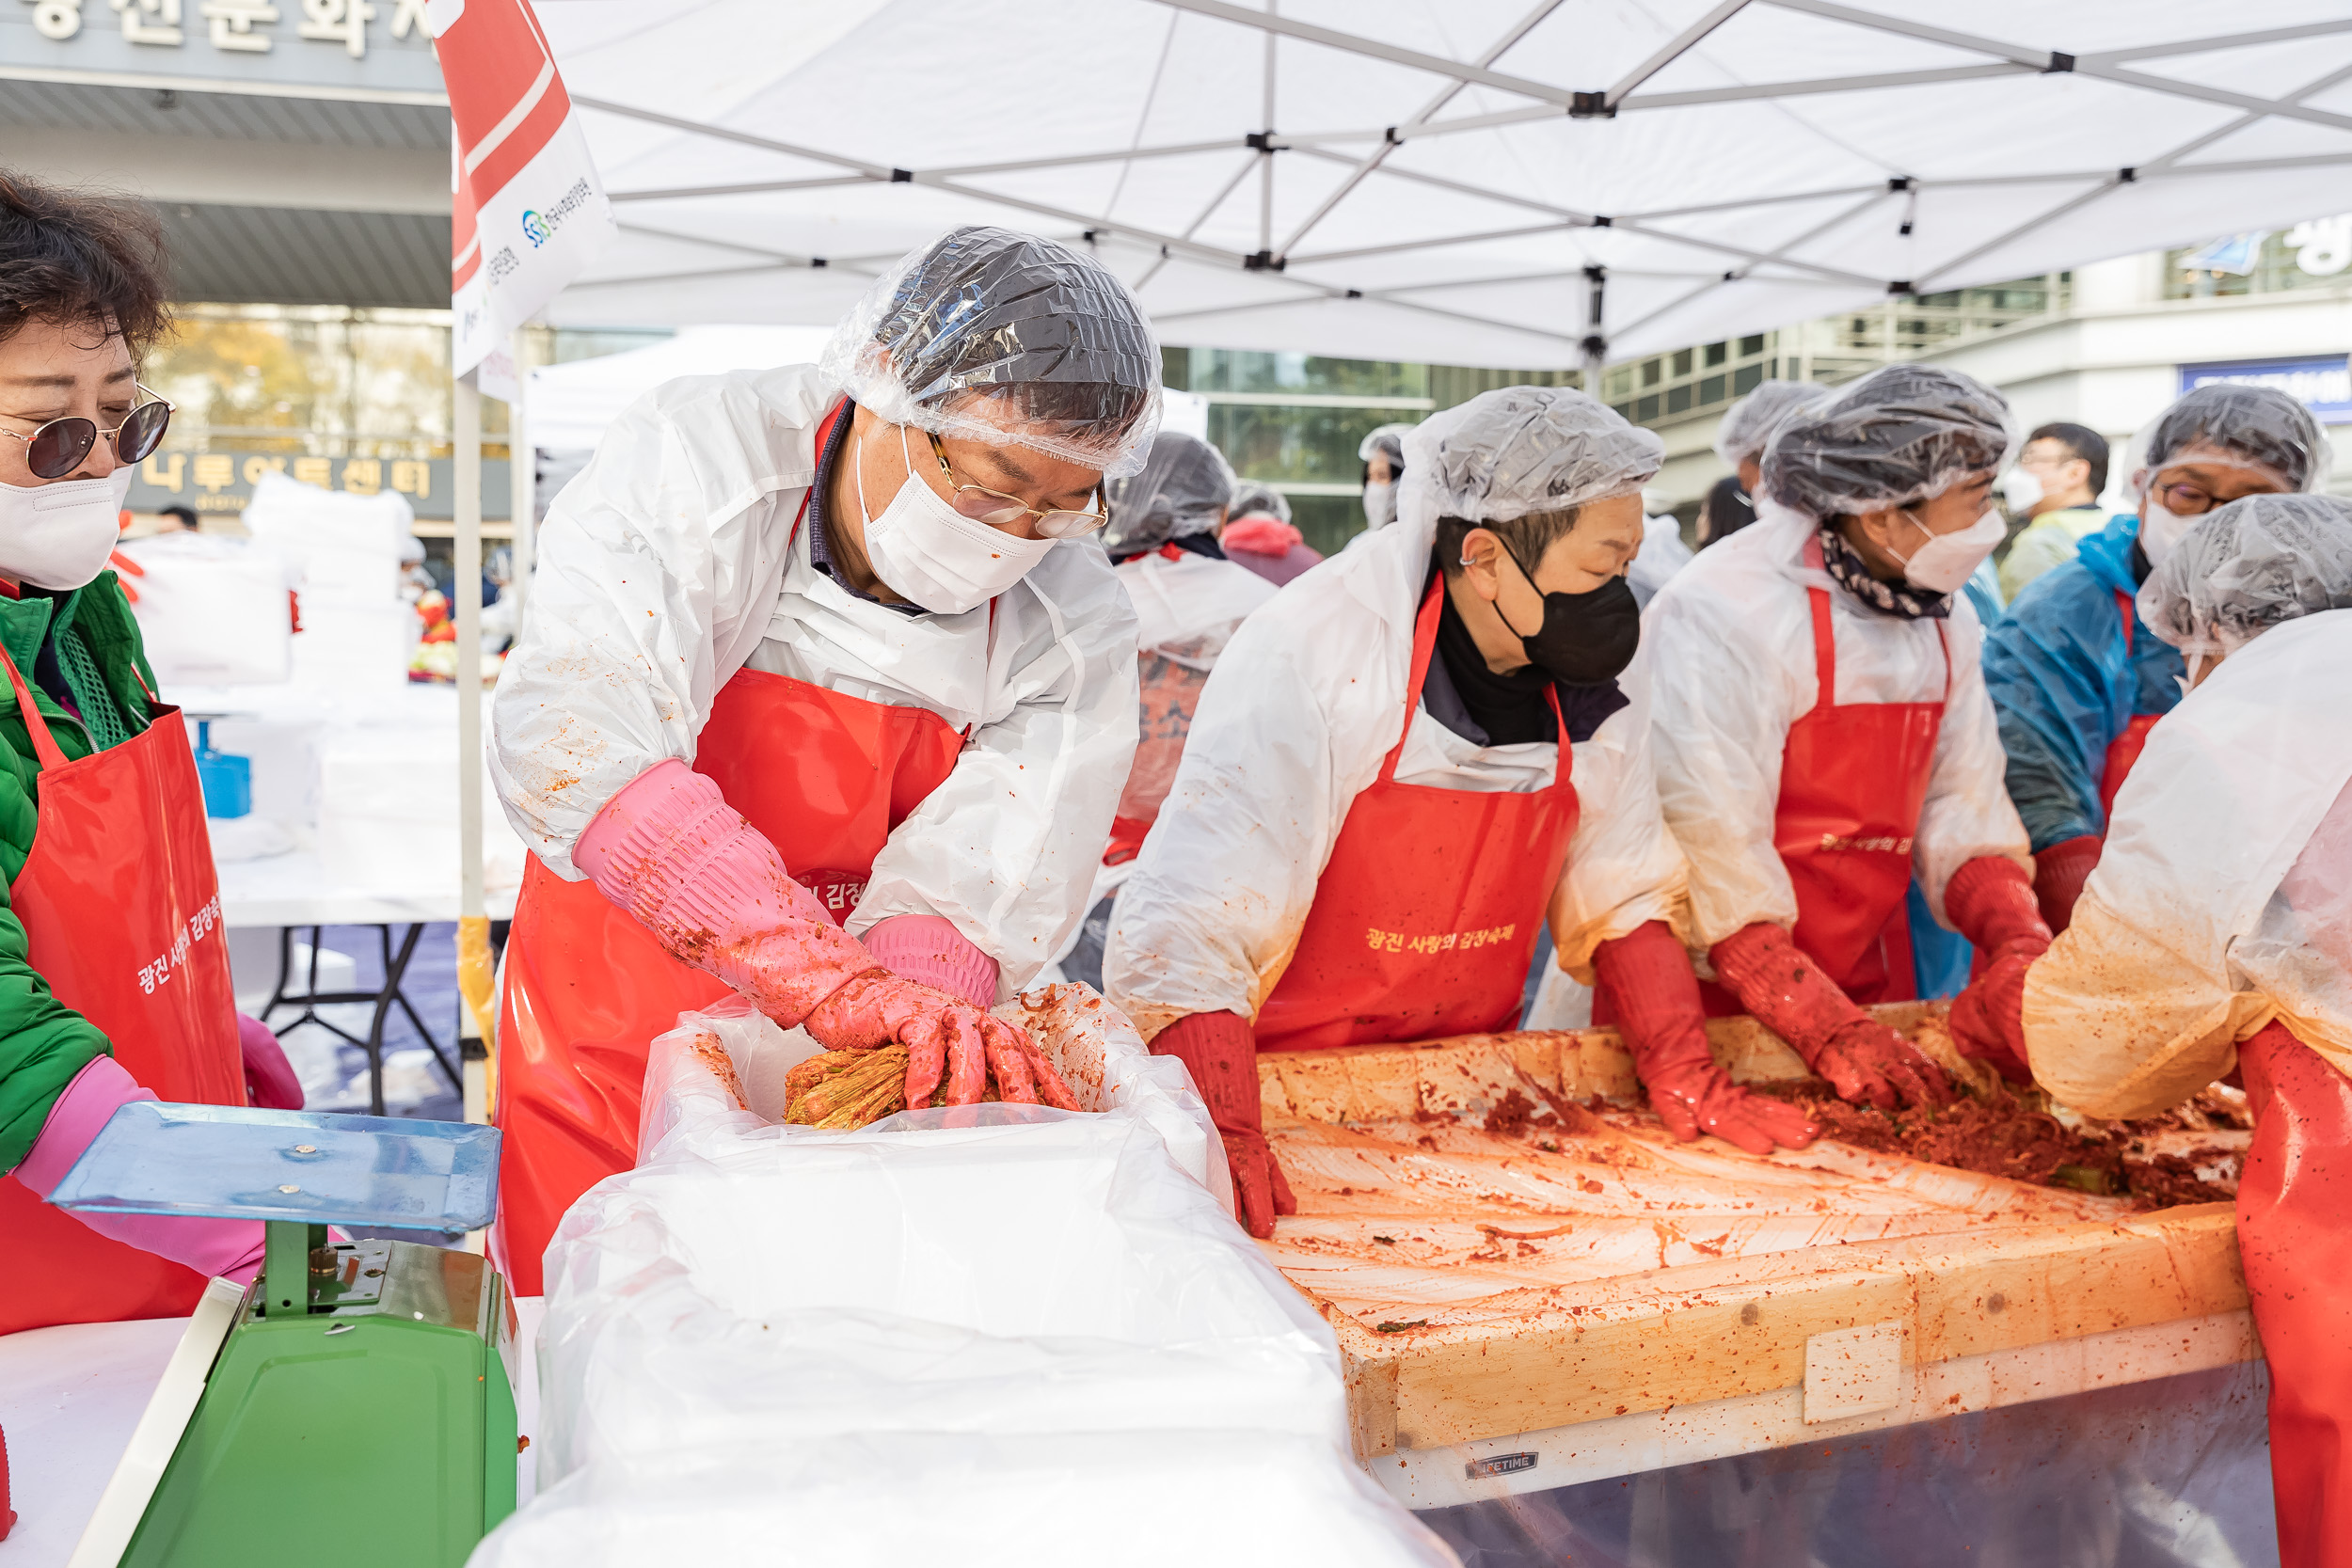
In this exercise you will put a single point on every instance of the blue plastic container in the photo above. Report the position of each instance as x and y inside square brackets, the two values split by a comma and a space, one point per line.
[228, 780]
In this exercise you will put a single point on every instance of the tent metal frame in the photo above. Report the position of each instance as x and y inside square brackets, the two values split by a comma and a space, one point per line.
[1260, 150]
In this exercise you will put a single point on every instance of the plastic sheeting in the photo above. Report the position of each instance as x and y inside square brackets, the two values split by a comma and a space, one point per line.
[996, 1334]
[2172, 1473]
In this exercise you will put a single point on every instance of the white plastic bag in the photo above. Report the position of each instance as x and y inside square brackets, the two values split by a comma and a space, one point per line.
[1000, 1332]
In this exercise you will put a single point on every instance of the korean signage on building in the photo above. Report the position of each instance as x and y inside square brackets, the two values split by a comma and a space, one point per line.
[378, 46]
[2322, 384]
[222, 483]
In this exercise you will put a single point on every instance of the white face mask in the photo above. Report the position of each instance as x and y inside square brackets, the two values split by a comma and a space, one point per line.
[59, 535]
[1380, 503]
[925, 549]
[2021, 488]
[1946, 560]
[2160, 530]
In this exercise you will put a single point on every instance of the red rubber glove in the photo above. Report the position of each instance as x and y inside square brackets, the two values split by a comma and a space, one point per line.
[1993, 905]
[1787, 994]
[2059, 875]
[715, 893]
[1654, 996]
[1222, 1053]
[1991, 902]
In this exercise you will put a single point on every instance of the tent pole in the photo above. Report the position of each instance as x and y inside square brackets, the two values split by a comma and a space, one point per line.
[473, 944]
[522, 469]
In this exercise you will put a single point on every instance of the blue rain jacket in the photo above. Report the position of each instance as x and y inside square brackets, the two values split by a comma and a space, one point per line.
[2064, 684]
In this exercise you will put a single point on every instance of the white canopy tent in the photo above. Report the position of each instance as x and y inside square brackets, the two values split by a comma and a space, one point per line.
[1465, 182]
[1522, 183]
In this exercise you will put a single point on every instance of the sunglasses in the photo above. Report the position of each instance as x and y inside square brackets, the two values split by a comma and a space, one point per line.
[998, 510]
[57, 448]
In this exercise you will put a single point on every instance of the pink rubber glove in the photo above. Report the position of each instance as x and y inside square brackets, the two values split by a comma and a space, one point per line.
[1787, 994]
[929, 949]
[1655, 996]
[224, 1249]
[270, 1080]
[715, 893]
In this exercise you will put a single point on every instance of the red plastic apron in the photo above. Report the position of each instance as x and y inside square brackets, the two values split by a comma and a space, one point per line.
[1852, 779]
[826, 778]
[122, 916]
[1425, 918]
[2124, 750]
[2296, 1241]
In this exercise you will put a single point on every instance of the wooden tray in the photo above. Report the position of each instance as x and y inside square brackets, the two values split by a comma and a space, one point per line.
[1482, 1286]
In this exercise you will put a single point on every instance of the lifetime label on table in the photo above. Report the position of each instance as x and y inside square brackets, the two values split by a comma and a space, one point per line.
[1501, 1464]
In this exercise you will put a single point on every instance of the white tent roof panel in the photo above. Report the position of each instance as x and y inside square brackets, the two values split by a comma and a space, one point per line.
[1426, 192]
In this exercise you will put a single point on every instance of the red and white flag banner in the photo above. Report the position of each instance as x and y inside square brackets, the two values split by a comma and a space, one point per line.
[529, 213]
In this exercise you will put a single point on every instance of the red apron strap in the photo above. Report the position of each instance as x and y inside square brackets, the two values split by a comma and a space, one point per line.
[2123, 608]
[44, 744]
[1944, 639]
[1424, 642]
[1826, 649]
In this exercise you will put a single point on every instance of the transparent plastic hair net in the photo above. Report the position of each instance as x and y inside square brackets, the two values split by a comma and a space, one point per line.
[2258, 428]
[1519, 450]
[1255, 498]
[1006, 339]
[1899, 435]
[1183, 487]
[1748, 424]
[2248, 566]
[1388, 439]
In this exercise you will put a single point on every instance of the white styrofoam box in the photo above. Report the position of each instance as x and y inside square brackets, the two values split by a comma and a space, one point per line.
[211, 609]
[285, 765]
[343, 547]
[350, 647]
[388, 815]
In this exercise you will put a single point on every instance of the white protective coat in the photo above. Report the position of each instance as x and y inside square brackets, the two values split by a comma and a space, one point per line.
[1731, 641]
[1187, 609]
[672, 562]
[1294, 725]
[2223, 900]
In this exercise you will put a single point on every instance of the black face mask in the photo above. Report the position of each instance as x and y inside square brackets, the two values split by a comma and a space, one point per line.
[1586, 639]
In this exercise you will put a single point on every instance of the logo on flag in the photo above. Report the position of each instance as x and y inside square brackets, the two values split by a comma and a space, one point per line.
[528, 211]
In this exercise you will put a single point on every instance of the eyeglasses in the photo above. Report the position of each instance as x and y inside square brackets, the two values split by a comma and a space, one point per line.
[2184, 501]
[998, 510]
[57, 448]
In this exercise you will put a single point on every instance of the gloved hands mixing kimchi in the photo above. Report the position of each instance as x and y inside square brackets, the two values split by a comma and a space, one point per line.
[1648, 981]
[670, 851]
[1785, 992]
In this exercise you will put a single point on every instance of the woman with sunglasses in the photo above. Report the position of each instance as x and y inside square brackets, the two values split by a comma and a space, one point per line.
[114, 966]
[826, 697]
[2076, 678]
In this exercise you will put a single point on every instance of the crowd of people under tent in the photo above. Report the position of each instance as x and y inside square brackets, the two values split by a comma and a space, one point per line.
[879, 689]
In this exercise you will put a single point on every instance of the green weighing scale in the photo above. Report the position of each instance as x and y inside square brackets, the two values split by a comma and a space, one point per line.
[355, 1401]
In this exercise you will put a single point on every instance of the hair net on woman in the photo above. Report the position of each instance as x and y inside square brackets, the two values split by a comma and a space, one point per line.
[2247, 566]
[1388, 439]
[1897, 436]
[1519, 450]
[1749, 423]
[1182, 487]
[1256, 498]
[2252, 427]
[1006, 339]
